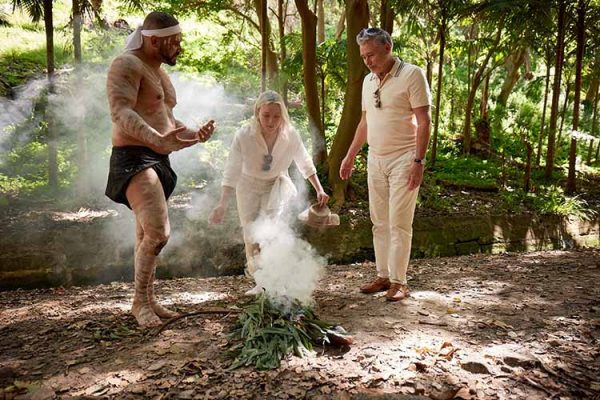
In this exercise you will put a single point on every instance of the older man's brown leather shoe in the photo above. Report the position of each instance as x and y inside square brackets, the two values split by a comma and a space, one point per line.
[378, 285]
[397, 291]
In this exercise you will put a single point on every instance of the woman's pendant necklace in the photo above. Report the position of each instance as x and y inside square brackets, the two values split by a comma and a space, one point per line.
[268, 158]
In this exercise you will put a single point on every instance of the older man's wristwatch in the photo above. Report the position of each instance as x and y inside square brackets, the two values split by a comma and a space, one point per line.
[420, 161]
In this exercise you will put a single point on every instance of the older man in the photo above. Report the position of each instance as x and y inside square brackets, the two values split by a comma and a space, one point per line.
[395, 122]
[142, 99]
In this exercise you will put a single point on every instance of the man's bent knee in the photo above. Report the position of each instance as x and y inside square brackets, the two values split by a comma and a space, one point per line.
[155, 243]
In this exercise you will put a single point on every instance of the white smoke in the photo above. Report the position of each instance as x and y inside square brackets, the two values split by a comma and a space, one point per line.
[14, 112]
[288, 267]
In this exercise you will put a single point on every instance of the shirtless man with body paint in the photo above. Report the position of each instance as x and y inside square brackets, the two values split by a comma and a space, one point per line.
[141, 99]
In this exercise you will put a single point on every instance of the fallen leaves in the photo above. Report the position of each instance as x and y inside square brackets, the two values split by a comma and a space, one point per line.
[413, 347]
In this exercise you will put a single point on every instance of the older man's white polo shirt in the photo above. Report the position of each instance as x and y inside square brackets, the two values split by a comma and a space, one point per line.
[392, 128]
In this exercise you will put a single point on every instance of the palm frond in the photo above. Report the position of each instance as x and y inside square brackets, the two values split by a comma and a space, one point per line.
[35, 8]
[135, 5]
[4, 19]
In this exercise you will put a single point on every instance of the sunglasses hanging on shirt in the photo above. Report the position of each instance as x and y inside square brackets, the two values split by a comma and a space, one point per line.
[377, 96]
[377, 93]
[267, 160]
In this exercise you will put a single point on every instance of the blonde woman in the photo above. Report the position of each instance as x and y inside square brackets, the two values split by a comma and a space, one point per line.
[257, 170]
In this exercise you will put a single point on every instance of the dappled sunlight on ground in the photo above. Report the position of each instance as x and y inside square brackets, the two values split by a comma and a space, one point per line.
[512, 326]
[193, 298]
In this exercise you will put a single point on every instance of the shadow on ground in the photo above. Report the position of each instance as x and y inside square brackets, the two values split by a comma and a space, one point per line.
[511, 326]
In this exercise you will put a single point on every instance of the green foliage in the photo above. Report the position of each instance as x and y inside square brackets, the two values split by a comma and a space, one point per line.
[431, 196]
[221, 56]
[223, 47]
[15, 185]
[100, 45]
[23, 55]
[35, 8]
[547, 200]
[267, 332]
[470, 171]
[4, 19]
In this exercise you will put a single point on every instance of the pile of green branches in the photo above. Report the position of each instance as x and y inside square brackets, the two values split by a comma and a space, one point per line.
[266, 332]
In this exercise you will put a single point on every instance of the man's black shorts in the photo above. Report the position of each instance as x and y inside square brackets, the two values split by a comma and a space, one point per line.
[127, 161]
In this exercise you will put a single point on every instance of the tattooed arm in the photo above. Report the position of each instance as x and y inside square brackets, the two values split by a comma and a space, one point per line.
[123, 83]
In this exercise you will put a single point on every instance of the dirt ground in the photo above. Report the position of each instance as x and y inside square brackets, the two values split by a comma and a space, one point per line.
[511, 326]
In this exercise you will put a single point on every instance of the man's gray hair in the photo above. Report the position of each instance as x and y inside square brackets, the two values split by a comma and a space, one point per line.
[377, 34]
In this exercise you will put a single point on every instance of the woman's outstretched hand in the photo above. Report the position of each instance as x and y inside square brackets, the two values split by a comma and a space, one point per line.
[216, 215]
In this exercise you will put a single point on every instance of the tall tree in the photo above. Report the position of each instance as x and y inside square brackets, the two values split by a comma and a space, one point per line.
[447, 12]
[513, 63]
[311, 90]
[594, 126]
[477, 79]
[264, 41]
[386, 16]
[320, 21]
[52, 134]
[357, 18]
[341, 24]
[77, 20]
[442, 31]
[544, 108]
[581, 10]
[558, 64]
[282, 10]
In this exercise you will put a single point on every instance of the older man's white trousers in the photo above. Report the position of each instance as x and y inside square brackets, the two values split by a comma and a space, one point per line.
[392, 208]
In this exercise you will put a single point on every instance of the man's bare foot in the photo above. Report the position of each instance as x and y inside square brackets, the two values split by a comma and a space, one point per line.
[162, 311]
[145, 316]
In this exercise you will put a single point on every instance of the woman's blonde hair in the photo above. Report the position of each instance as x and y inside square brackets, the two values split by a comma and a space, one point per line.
[271, 97]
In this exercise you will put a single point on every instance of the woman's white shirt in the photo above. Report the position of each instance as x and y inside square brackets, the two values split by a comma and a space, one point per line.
[249, 148]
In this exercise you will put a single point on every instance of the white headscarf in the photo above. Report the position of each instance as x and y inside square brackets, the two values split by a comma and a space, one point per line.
[135, 40]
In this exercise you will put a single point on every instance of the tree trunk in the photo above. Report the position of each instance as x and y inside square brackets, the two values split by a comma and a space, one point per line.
[571, 186]
[386, 17]
[513, 63]
[477, 78]
[593, 87]
[485, 97]
[83, 177]
[560, 48]
[438, 94]
[281, 19]
[311, 90]
[51, 129]
[264, 44]
[341, 25]
[357, 16]
[594, 127]
[471, 35]
[483, 125]
[563, 113]
[320, 21]
[541, 137]
[429, 70]
[527, 176]
[269, 67]
[49, 27]
[77, 31]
